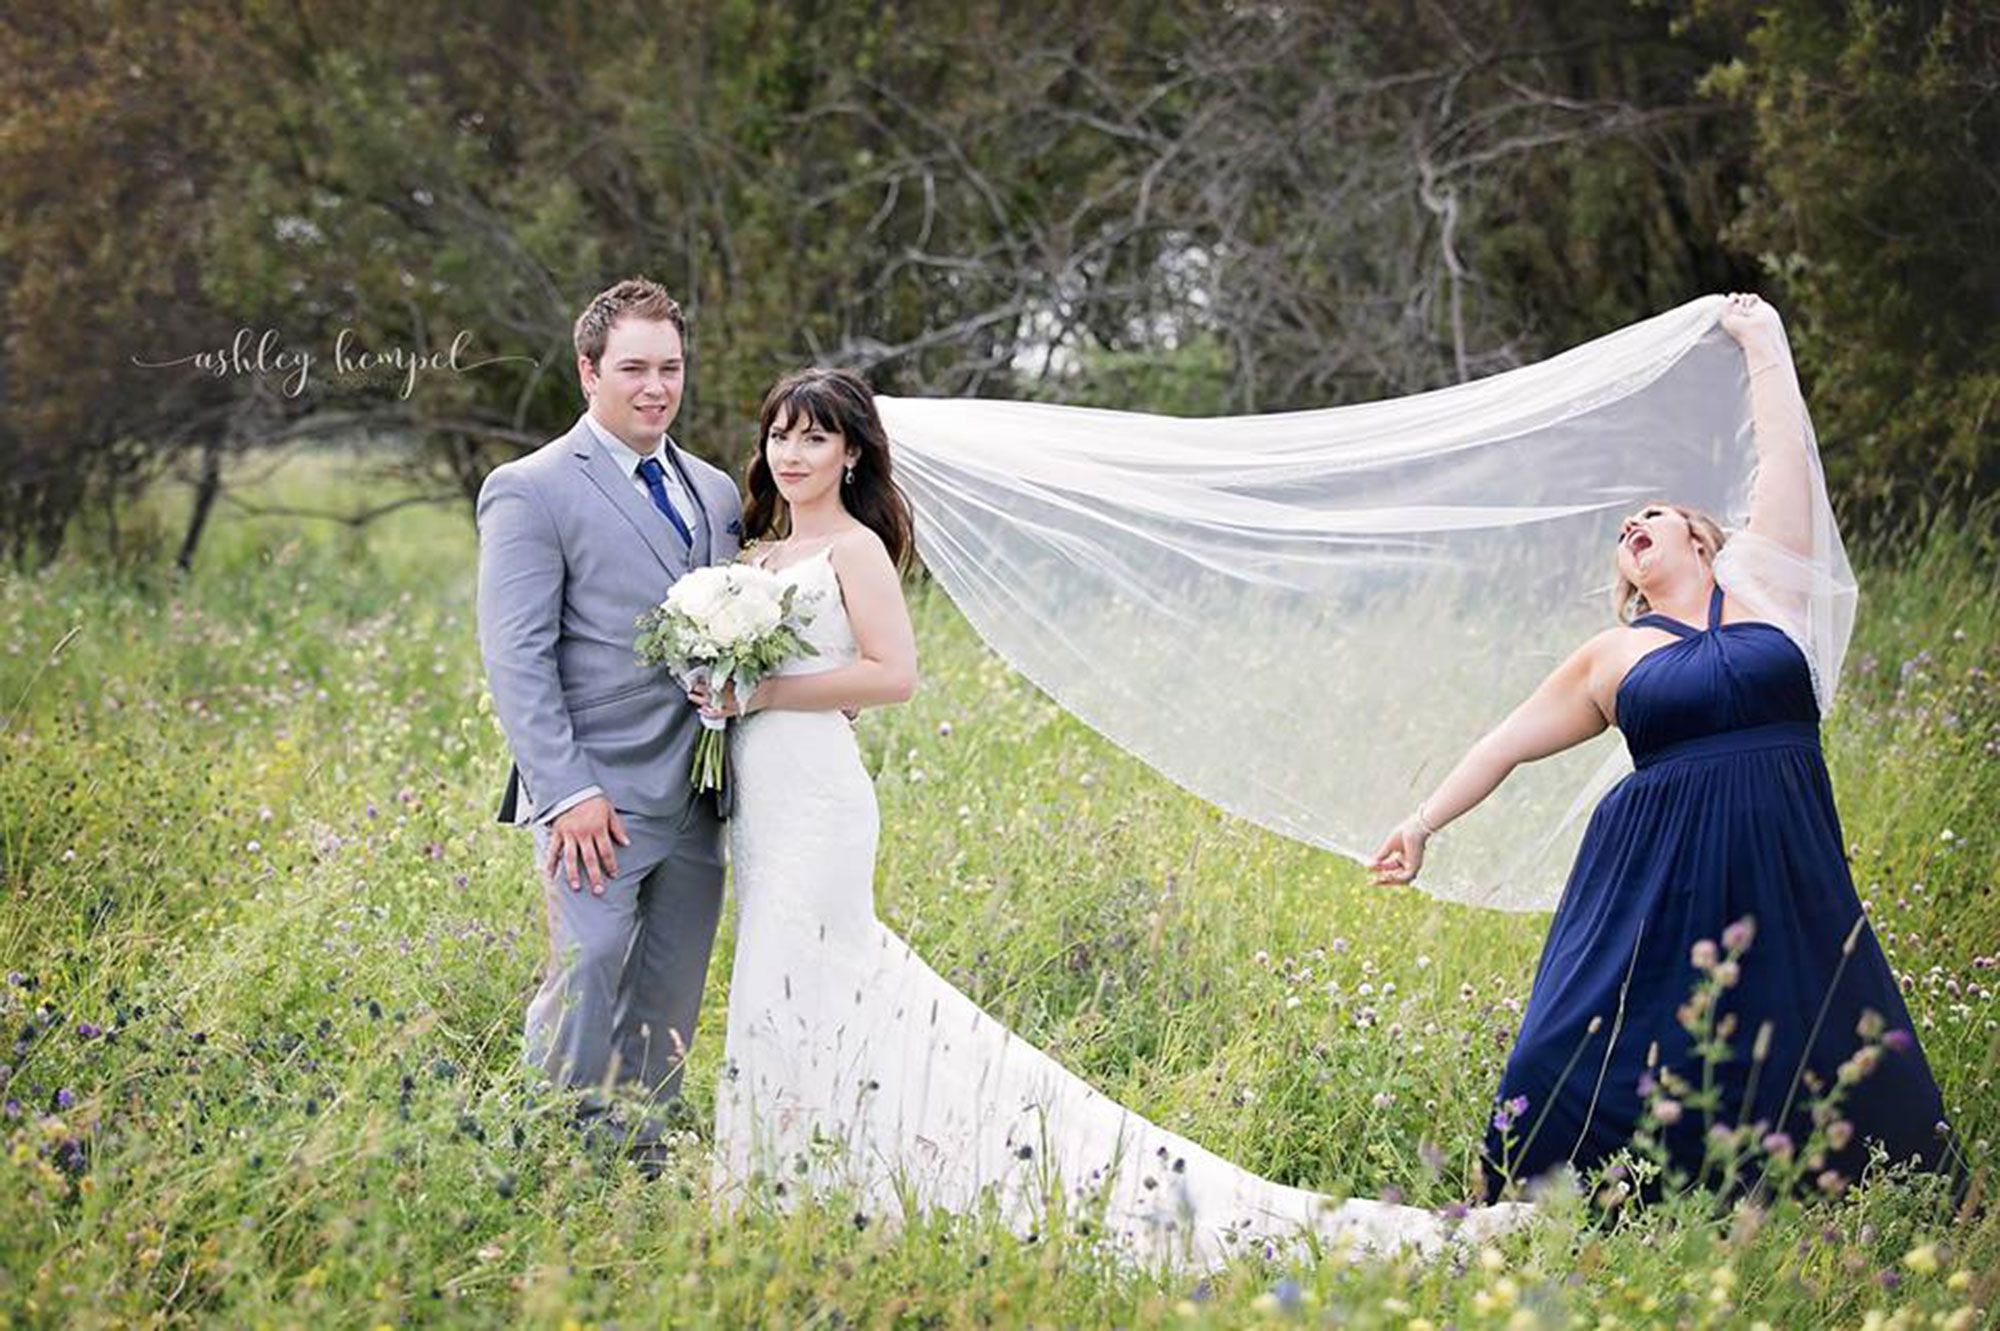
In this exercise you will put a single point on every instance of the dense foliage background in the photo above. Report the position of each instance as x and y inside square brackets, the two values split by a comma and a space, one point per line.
[1178, 206]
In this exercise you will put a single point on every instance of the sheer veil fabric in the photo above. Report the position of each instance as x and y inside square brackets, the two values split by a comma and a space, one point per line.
[1305, 618]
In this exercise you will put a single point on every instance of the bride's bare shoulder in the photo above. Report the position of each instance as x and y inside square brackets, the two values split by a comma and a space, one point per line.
[859, 546]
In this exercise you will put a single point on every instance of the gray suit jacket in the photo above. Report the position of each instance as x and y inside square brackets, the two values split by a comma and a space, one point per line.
[570, 555]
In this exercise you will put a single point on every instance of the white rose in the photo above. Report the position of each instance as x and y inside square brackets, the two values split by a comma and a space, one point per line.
[699, 594]
[743, 619]
[765, 605]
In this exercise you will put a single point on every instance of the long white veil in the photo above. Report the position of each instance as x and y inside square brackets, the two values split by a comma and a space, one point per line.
[1306, 618]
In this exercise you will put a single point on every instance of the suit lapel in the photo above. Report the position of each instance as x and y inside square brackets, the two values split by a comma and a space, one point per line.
[620, 491]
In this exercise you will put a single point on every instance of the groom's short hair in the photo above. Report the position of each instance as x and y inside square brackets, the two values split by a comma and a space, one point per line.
[635, 298]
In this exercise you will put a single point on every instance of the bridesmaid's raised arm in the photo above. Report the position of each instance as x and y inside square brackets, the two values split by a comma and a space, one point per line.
[1781, 492]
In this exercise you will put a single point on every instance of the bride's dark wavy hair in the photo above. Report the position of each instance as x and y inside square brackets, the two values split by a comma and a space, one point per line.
[833, 400]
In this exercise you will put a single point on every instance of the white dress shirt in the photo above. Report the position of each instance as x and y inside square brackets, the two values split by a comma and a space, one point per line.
[629, 461]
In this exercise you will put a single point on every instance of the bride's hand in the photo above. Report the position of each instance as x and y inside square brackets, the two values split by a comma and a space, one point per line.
[722, 707]
[1400, 855]
[1755, 324]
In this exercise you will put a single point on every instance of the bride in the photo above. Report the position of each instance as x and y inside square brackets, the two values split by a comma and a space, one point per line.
[851, 1064]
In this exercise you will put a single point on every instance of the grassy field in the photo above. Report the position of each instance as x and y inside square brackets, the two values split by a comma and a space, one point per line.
[267, 954]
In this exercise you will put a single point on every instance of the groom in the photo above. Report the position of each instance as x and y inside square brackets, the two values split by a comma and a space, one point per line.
[576, 540]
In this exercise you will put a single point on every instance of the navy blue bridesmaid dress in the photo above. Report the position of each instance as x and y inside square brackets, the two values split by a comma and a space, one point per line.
[1728, 815]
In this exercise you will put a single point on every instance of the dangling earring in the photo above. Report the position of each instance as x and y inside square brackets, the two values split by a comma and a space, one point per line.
[850, 474]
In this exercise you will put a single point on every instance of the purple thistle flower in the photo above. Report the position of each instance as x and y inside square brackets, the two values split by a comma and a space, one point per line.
[89, 1030]
[12, 1108]
[1738, 936]
[1509, 1112]
[1899, 1041]
[65, 1098]
[1778, 1144]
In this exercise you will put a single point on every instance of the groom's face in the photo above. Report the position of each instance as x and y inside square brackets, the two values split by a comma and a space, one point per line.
[635, 387]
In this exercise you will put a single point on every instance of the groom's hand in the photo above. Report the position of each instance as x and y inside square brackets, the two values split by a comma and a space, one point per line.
[585, 834]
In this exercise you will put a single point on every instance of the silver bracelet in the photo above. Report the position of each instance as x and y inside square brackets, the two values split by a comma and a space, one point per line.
[1424, 823]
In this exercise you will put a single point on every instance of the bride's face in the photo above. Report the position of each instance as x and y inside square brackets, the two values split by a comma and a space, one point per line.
[806, 458]
[1656, 542]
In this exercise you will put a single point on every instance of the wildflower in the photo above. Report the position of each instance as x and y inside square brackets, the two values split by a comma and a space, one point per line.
[1861, 1064]
[1898, 1041]
[65, 1098]
[1831, 1182]
[1839, 1133]
[1509, 1113]
[1668, 1112]
[1727, 974]
[1778, 1145]
[1922, 1259]
[88, 1030]
[1870, 1025]
[1703, 955]
[1499, 1299]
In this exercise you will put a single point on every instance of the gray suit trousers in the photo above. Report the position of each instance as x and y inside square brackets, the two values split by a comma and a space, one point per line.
[621, 990]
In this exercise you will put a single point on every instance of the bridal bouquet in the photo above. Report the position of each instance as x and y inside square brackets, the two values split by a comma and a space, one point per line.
[722, 625]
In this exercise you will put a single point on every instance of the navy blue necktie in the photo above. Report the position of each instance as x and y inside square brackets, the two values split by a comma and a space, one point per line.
[655, 477]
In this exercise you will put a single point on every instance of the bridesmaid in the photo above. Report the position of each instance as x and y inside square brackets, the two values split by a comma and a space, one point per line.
[1718, 860]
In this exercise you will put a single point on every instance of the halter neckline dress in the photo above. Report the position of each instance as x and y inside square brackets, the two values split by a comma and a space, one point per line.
[1728, 814]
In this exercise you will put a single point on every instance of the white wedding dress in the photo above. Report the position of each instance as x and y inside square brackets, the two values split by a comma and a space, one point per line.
[852, 1066]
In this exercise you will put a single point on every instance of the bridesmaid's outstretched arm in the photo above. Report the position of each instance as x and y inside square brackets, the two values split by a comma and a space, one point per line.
[1781, 491]
[1560, 714]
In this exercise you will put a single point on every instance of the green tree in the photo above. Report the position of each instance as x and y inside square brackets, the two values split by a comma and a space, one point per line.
[1874, 201]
